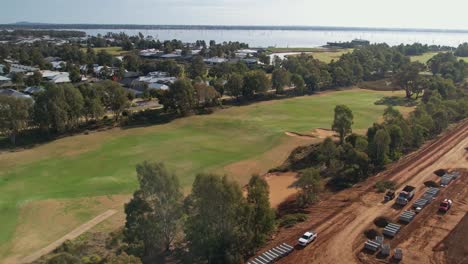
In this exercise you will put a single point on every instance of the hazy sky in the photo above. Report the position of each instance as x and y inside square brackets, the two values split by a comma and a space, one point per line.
[367, 13]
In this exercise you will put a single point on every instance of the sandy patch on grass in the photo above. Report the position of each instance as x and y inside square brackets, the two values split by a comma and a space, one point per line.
[318, 133]
[42, 222]
[281, 186]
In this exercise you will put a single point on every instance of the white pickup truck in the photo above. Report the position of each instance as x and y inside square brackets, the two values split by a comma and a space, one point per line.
[307, 238]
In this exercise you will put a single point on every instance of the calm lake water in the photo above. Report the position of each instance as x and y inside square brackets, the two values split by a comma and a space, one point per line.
[297, 38]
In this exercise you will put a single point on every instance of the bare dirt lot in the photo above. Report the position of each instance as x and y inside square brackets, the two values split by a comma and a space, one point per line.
[342, 218]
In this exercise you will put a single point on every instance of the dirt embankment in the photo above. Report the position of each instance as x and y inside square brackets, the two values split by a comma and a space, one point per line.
[342, 218]
[455, 245]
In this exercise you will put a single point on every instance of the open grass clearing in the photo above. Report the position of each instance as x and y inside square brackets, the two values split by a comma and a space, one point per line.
[424, 58]
[115, 51]
[102, 163]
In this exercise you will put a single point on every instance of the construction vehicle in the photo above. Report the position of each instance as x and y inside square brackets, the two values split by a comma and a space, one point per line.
[445, 205]
[406, 195]
[389, 196]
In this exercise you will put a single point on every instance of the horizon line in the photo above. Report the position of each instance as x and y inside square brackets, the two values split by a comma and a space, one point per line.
[41, 25]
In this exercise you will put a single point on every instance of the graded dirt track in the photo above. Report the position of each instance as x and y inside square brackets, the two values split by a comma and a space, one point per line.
[341, 218]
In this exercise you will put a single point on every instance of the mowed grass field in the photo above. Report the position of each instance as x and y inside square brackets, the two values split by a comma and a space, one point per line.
[103, 163]
[324, 55]
[115, 51]
[424, 58]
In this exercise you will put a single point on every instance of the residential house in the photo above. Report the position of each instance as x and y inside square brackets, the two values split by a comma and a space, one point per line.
[250, 61]
[18, 68]
[215, 60]
[58, 65]
[245, 53]
[55, 76]
[5, 82]
[32, 90]
[170, 56]
[14, 93]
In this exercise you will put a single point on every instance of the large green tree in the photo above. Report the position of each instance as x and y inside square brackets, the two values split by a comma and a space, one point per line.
[409, 78]
[154, 213]
[310, 184]
[343, 121]
[50, 109]
[115, 97]
[256, 81]
[93, 107]
[261, 217]
[181, 97]
[216, 224]
[280, 78]
[379, 148]
[75, 104]
[197, 67]
[235, 85]
[14, 116]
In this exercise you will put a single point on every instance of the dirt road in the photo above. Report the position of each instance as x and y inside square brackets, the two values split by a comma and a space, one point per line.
[72, 235]
[342, 219]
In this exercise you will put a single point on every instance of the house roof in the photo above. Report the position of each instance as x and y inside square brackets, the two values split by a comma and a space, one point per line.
[22, 68]
[4, 79]
[49, 74]
[168, 56]
[215, 60]
[34, 89]
[63, 77]
[14, 93]
[158, 86]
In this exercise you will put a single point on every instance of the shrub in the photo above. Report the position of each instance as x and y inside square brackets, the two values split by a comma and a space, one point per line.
[381, 186]
[371, 233]
[64, 258]
[292, 219]
[431, 184]
[440, 172]
[381, 221]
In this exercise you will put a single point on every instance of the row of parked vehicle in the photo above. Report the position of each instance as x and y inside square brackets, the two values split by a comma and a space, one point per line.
[403, 198]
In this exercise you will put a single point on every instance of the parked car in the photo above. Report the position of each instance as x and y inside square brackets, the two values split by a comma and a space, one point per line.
[445, 205]
[307, 238]
[389, 195]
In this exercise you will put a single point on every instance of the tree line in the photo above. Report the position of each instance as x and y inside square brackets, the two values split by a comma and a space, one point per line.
[356, 157]
[216, 223]
[61, 108]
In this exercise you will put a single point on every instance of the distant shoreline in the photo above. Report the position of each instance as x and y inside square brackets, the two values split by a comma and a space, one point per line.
[26, 25]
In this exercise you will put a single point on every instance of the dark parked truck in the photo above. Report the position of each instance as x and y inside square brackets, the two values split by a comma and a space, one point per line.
[389, 196]
[406, 195]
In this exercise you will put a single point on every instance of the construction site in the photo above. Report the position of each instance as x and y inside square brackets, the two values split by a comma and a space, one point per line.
[425, 219]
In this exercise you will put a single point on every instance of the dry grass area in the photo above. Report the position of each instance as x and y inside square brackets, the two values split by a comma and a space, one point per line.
[41, 222]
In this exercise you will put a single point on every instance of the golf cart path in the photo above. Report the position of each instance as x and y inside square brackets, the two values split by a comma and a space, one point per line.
[72, 235]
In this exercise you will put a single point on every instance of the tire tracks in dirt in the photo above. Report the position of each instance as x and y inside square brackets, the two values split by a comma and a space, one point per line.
[341, 219]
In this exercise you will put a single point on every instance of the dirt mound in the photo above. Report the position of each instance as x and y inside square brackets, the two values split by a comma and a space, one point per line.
[456, 243]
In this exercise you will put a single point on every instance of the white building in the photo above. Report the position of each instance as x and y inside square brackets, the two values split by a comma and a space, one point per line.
[215, 60]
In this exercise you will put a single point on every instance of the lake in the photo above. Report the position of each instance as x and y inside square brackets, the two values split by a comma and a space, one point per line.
[295, 38]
